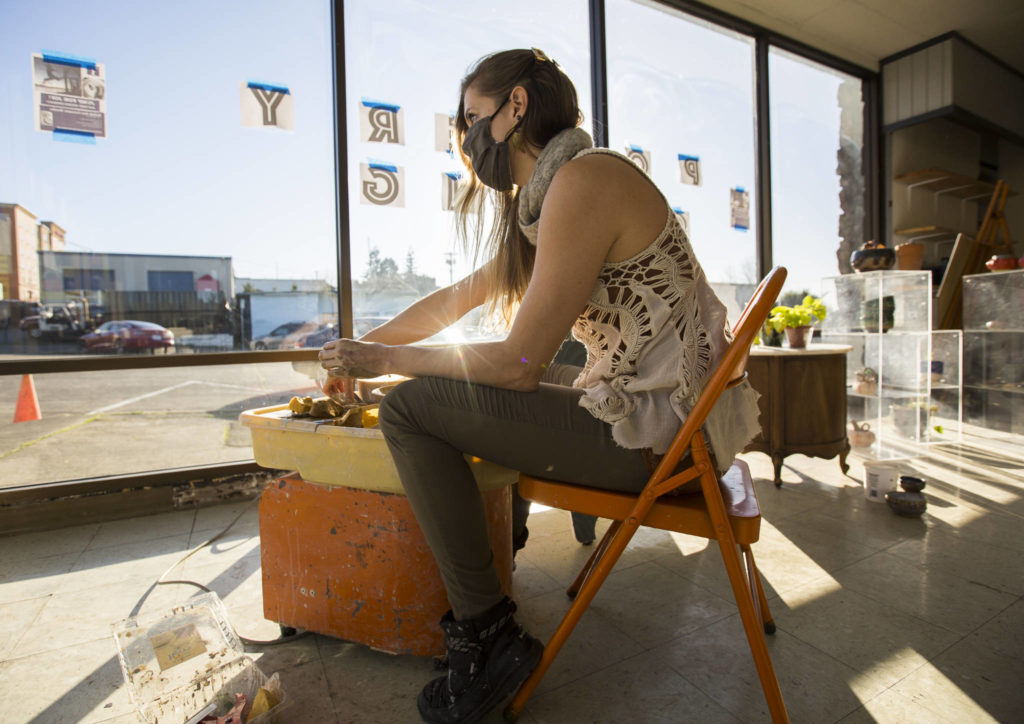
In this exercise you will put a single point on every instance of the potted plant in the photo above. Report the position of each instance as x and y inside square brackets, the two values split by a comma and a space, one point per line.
[797, 320]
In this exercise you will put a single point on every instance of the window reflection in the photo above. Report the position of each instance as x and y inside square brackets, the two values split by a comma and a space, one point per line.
[681, 104]
[187, 195]
[404, 63]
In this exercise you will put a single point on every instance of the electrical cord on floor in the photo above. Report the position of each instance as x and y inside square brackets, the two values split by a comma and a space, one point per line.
[284, 638]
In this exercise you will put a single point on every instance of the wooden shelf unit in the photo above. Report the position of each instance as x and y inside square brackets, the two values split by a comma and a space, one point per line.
[929, 233]
[940, 181]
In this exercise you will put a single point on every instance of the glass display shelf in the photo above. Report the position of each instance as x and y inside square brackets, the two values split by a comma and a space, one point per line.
[876, 301]
[993, 317]
[904, 380]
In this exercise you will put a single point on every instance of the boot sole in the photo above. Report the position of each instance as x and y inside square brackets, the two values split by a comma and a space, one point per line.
[512, 681]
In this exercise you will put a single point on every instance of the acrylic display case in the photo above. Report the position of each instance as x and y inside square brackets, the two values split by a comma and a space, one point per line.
[993, 307]
[903, 379]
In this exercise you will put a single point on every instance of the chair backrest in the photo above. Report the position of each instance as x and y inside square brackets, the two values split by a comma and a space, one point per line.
[731, 367]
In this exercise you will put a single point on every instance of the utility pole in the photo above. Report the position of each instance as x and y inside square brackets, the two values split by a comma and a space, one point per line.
[450, 261]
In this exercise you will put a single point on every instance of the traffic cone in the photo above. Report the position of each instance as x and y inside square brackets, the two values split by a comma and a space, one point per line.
[28, 404]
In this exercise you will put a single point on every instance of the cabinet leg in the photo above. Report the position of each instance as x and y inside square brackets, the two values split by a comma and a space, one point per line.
[777, 459]
[843, 465]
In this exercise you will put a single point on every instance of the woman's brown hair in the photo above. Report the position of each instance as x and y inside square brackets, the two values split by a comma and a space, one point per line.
[553, 107]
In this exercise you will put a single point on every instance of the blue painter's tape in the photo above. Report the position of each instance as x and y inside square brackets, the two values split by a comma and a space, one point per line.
[739, 228]
[383, 166]
[369, 103]
[74, 136]
[739, 189]
[684, 157]
[67, 59]
[453, 175]
[636, 148]
[269, 87]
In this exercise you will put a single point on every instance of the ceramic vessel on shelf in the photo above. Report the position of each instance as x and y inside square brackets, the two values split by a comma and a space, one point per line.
[866, 382]
[869, 314]
[910, 501]
[873, 256]
[909, 255]
[1001, 262]
[933, 369]
[770, 337]
[797, 337]
[861, 435]
[911, 419]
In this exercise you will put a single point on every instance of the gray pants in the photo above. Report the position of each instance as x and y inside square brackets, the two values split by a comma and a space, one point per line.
[430, 422]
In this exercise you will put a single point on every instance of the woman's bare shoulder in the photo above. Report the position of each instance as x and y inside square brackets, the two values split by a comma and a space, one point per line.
[615, 196]
[594, 175]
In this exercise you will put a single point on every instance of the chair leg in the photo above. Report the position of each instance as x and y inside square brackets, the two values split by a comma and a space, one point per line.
[618, 542]
[762, 601]
[744, 598]
[573, 589]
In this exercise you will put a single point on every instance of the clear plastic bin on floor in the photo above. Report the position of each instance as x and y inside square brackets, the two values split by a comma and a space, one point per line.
[187, 661]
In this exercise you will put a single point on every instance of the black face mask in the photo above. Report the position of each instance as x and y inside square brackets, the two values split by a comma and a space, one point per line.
[491, 159]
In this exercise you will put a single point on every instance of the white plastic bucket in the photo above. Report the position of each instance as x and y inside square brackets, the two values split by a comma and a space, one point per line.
[879, 479]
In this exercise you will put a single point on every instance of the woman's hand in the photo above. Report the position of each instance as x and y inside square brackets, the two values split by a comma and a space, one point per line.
[349, 358]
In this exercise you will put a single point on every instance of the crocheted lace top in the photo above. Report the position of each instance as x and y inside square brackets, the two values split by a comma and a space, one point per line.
[654, 332]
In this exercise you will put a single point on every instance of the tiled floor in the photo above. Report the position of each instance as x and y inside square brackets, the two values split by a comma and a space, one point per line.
[880, 618]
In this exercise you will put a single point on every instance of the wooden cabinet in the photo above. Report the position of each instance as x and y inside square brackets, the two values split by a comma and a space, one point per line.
[803, 402]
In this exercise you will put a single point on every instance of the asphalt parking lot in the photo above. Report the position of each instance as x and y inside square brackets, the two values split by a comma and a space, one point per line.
[128, 421]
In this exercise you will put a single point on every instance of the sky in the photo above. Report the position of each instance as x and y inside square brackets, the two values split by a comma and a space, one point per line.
[178, 174]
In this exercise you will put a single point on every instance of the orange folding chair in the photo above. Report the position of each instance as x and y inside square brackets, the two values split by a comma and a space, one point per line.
[726, 510]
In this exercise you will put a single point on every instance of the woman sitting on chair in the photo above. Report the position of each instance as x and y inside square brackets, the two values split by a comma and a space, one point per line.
[582, 239]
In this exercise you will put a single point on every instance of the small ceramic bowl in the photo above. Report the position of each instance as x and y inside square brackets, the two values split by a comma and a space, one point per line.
[911, 484]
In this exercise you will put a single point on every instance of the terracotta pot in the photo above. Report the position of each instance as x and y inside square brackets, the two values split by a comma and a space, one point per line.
[797, 337]
[909, 256]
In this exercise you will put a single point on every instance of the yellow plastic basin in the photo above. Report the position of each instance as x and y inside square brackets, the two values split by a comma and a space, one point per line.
[333, 455]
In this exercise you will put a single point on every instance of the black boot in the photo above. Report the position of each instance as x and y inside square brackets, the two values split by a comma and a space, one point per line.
[488, 658]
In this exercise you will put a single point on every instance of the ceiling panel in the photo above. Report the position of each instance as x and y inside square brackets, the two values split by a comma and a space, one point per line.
[865, 31]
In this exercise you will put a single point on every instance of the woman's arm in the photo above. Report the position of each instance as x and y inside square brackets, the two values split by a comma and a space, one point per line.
[580, 221]
[433, 313]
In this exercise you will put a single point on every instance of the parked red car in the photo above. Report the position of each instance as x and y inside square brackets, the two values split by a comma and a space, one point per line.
[126, 335]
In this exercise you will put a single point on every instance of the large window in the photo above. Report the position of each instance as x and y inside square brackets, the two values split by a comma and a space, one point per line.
[174, 218]
[818, 195]
[681, 102]
[169, 175]
[404, 62]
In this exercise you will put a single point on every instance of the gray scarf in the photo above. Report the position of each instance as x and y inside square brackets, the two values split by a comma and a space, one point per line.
[560, 149]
